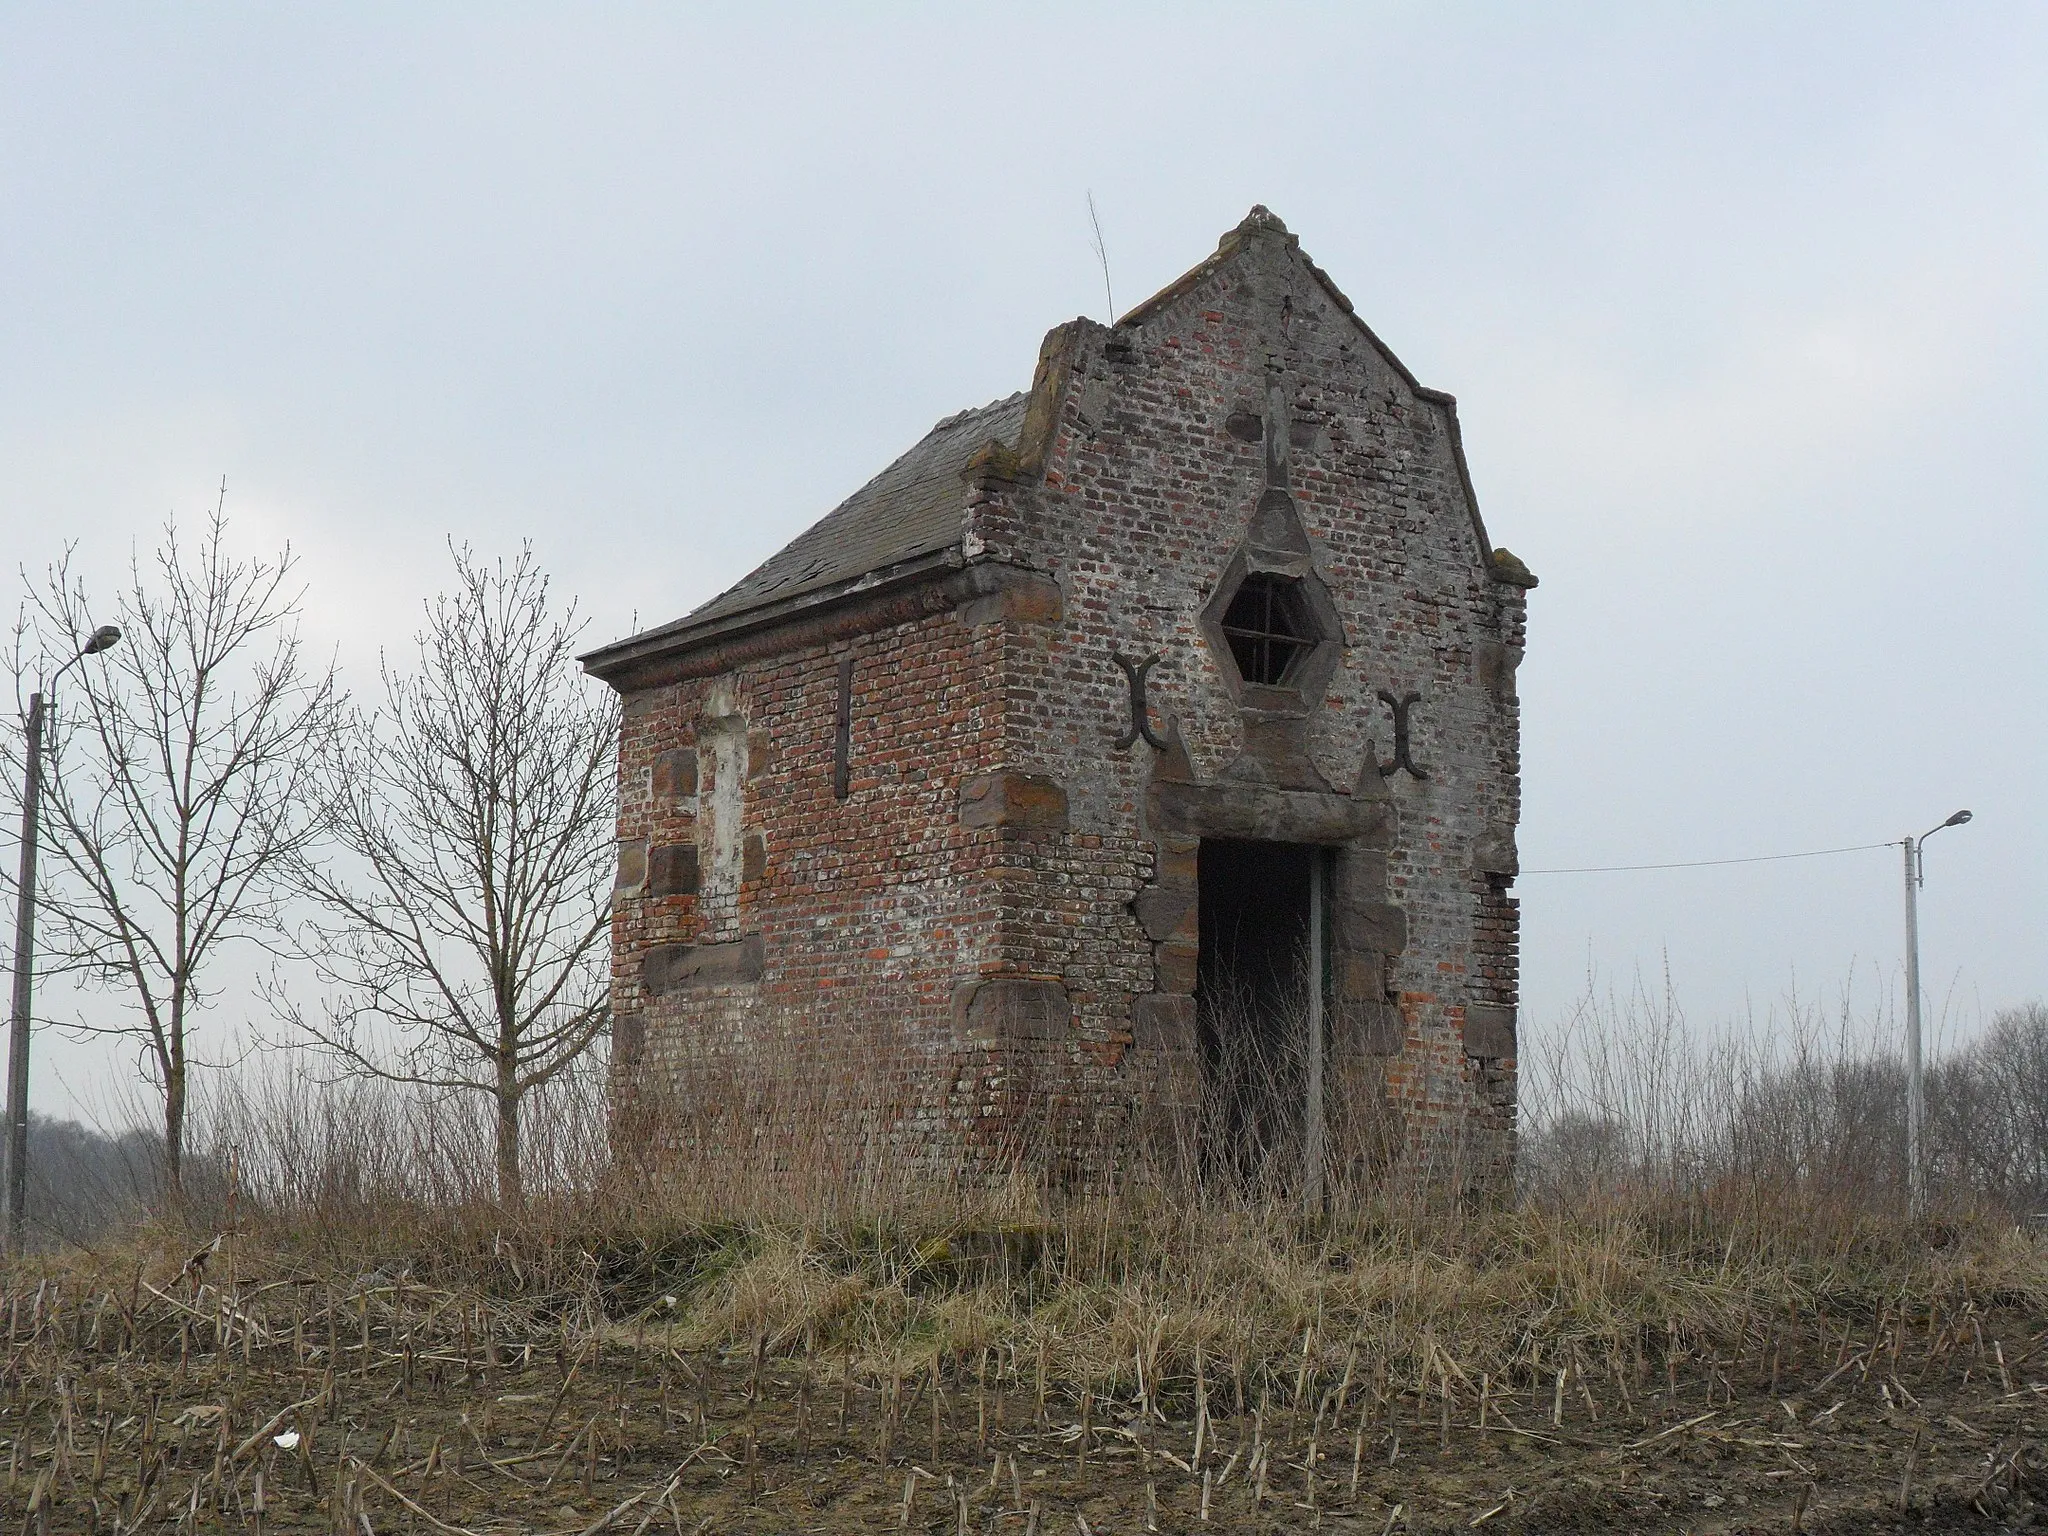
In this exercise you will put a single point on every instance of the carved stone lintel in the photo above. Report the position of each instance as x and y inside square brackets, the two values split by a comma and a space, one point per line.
[1266, 814]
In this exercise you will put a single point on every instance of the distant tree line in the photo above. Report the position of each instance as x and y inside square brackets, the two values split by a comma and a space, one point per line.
[83, 1182]
[1831, 1122]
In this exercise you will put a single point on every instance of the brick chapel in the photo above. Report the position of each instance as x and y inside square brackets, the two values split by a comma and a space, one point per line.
[1130, 770]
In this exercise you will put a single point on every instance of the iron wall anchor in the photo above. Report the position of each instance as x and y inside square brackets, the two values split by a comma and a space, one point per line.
[1402, 759]
[1141, 712]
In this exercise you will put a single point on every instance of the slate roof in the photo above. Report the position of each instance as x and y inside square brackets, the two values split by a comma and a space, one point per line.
[914, 507]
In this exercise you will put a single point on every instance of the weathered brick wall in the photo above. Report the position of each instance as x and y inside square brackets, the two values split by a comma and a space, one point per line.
[836, 955]
[994, 934]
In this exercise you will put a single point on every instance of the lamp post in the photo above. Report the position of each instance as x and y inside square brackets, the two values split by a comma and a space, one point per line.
[25, 948]
[1916, 1087]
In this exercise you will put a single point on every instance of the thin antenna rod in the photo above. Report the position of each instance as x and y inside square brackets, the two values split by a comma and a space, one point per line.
[1101, 255]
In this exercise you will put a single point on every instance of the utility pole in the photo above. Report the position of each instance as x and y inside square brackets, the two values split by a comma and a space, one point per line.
[1916, 1084]
[25, 949]
[1916, 1087]
[24, 982]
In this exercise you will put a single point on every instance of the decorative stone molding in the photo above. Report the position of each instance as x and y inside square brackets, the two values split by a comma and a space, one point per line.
[675, 775]
[1509, 571]
[1000, 1009]
[1494, 852]
[1489, 1033]
[1494, 663]
[672, 870]
[674, 967]
[1010, 797]
[1309, 677]
[632, 872]
[1023, 600]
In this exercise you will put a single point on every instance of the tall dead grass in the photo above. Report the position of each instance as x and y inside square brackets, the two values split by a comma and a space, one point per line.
[1675, 1194]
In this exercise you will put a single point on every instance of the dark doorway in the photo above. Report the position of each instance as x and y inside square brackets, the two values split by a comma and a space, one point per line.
[1258, 1000]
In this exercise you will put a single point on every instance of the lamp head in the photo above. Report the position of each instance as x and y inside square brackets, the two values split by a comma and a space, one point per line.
[107, 636]
[1957, 820]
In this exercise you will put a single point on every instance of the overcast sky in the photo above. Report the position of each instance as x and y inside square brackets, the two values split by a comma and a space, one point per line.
[1744, 309]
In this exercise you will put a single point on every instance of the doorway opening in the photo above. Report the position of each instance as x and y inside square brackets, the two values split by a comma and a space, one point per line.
[1259, 994]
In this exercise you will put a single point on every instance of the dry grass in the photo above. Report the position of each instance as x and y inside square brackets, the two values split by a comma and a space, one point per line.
[771, 1336]
[591, 1367]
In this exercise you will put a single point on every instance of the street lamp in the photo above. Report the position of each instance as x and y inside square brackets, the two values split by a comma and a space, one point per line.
[102, 639]
[1916, 1087]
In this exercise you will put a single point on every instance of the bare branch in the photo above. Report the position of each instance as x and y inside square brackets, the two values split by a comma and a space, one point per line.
[177, 789]
[464, 910]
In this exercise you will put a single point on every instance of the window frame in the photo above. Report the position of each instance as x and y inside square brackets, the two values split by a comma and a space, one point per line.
[1286, 624]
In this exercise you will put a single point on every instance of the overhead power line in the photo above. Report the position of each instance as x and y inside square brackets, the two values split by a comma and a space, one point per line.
[1761, 858]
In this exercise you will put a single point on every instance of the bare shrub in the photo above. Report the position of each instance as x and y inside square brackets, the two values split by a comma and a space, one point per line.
[343, 1152]
[1805, 1111]
[1988, 1113]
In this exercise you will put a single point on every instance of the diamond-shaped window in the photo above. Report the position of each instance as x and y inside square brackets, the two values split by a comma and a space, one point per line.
[1269, 627]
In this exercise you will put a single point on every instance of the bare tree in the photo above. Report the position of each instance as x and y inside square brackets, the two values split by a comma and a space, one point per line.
[180, 784]
[463, 939]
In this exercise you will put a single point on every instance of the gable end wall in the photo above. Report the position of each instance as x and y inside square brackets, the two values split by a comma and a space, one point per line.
[1147, 494]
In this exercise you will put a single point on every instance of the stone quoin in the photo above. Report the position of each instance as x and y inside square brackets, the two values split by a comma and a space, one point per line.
[1128, 772]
